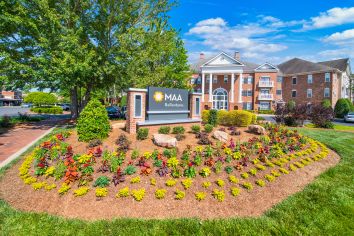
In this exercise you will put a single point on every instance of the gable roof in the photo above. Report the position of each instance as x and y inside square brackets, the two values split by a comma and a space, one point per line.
[340, 64]
[297, 66]
[266, 67]
[234, 60]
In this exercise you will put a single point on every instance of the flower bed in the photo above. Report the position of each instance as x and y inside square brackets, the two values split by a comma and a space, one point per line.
[221, 171]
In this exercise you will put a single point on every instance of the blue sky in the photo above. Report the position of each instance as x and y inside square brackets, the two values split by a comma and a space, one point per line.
[267, 30]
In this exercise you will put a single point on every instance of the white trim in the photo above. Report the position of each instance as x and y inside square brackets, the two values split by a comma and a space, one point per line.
[195, 106]
[203, 86]
[141, 104]
[292, 93]
[240, 88]
[269, 64]
[292, 80]
[232, 99]
[137, 90]
[225, 54]
[307, 93]
[210, 87]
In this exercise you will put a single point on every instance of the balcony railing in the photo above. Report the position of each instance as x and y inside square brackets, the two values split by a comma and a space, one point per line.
[265, 97]
[268, 84]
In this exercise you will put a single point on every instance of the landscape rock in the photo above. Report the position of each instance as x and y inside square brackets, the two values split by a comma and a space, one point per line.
[164, 140]
[221, 135]
[256, 129]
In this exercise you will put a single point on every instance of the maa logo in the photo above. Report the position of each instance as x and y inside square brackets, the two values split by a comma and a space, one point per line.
[173, 97]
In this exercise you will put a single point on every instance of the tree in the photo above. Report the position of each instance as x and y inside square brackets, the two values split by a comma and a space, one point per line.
[321, 116]
[326, 103]
[341, 108]
[41, 98]
[83, 47]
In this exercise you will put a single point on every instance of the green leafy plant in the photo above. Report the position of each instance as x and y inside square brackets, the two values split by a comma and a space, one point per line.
[142, 133]
[138, 194]
[228, 169]
[164, 130]
[190, 172]
[195, 128]
[135, 154]
[179, 195]
[269, 178]
[93, 122]
[178, 130]
[247, 185]
[260, 167]
[172, 162]
[253, 172]
[260, 182]
[129, 170]
[213, 116]
[102, 181]
[275, 173]
[284, 171]
[219, 195]
[160, 193]
[208, 128]
[205, 172]
[244, 175]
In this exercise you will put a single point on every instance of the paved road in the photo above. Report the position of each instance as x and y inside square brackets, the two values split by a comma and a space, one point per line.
[336, 121]
[12, 111]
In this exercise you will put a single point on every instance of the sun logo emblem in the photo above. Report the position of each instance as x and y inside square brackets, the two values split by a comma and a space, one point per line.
[158, 96]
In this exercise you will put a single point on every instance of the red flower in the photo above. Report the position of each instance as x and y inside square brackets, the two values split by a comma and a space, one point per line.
[190, 164]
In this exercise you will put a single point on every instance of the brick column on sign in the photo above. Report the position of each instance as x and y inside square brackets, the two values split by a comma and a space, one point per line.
[131, 122]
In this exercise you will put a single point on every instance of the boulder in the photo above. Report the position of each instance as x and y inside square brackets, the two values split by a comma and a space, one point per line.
[221, 136]
[256, 129]
[164, 140]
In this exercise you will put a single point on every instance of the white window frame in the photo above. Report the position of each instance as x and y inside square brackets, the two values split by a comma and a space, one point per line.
[309, 79]
[141, 105]
[281, 92]
[249, 93]
[195, 106]
[265, 78]
[309, 92]
[226, 79]
[292, 80]
[329, 92]
[327, 77]
[249, 79]
[280, 79]
[264, 108]
[215, 79]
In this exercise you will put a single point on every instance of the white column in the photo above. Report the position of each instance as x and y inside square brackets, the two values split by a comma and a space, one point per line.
[232, 87]
[203, 86]
[240, 88]
[211, 88]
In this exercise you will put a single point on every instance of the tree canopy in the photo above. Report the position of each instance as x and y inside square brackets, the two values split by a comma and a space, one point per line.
[41, 98]
[85, 46]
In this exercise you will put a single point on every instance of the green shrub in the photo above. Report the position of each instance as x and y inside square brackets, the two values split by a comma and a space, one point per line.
[47, 110]
[93, 122]
[195, 128]
[241, 118]
[341, 108]
[164, 130]
[213, 117]
[142, 133]
[40, 98]
[123, 101]
[205, 116]
[326, 103]
[223, 117]
[178, 130]
[208, 128]
[265, 112]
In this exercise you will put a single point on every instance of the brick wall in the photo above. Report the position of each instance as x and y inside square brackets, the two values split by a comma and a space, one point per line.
[131, 120]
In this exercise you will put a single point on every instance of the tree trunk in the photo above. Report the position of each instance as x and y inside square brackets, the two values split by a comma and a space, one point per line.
[74, 103]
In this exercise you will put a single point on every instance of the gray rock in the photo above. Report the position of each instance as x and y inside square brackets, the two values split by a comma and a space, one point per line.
[256, 129]
[221, 136]
[164, 140]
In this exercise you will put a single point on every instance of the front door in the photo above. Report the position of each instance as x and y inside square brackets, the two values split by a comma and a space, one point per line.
[220, 99]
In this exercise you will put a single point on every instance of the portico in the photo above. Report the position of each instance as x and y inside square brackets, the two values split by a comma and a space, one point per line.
[217, 71]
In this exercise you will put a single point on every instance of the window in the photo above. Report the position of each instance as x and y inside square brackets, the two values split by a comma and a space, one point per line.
[327, 77]
[309, 93]
[265, 78]
[226, 79]
[250, 80]
[264, 106]
[309, 79]
[193, 81]
[326, 93]
[294, 80]
[279, 79]
[197, 107]
[247, 106]
[293, 93]
[278, 91]
[249, 93]
[215, 79]
[220, 99]
[244, 92]
[137, 106]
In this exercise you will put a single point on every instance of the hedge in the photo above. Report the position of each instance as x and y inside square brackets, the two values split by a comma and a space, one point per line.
[231, 118]
[47, 110]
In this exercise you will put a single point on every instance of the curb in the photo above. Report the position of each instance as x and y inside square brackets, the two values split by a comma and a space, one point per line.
[24, 149]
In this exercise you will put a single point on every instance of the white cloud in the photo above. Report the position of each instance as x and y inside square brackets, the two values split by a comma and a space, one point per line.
[338, 53]
[277, 23]
[347, 35]
[332, 17]
[212, 22]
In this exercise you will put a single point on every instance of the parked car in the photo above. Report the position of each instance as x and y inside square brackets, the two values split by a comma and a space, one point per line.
[349, 117]
[66, 107]
[123, 112]
[113, 111]
[26, 105]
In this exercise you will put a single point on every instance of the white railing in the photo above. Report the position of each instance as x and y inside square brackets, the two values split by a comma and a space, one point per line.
[266, 84]
[265, 97]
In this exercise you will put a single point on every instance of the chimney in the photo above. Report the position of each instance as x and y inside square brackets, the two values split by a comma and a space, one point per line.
[201, 56]
[237, 55]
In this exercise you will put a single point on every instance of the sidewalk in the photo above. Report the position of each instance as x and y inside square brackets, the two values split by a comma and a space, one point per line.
[18, 139]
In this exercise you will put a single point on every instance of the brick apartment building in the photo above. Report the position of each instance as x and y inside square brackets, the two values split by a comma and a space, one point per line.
[230, 83]
[10, 98]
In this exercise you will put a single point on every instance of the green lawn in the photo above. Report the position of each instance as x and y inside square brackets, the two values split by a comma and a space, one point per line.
[336, 127]
[325, 207]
